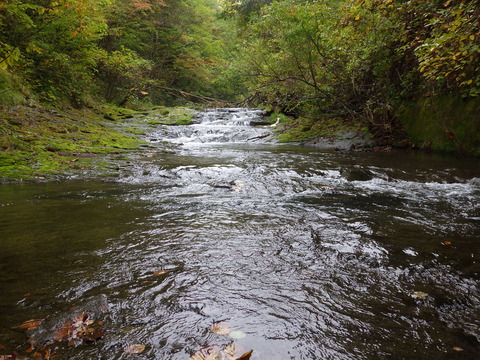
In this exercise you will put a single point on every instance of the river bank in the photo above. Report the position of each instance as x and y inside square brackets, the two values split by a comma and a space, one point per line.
[37, 142]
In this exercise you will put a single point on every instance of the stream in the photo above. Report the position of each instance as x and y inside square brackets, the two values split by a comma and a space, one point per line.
[306, 254]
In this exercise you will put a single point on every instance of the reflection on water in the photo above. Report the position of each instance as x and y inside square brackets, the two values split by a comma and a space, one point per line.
[312, 254]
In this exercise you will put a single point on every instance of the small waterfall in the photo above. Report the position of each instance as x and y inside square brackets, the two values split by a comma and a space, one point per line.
[223, 125]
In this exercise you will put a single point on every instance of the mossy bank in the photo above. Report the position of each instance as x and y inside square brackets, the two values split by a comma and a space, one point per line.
[443, 123]
[38, 142]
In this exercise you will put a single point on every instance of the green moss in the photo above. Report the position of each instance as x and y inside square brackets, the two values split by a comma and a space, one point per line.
[305, 129]
[445, 123]
[39, 141]
[170, 116]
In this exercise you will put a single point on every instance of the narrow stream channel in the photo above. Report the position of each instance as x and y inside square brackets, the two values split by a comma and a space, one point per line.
[308, 254]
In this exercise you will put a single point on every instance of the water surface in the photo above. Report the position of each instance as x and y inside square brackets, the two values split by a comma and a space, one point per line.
[311, 254]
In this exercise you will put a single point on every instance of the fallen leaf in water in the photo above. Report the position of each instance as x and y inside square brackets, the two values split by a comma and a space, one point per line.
[447, 243]
[2, 346]
[63, 333]
[160, 272]
[135, 349]
[26, 294]
[237, 334]
[246, 356]
[48, 354]
[420, 295]
[232, 351]
[456, 348]
[30, 349]
[81, 329]
[31, 324]
[221, 328]
[207, 353]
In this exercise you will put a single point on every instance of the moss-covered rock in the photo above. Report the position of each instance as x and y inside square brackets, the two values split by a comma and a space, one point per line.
[444, 123]
[161, 115]
[37, 141]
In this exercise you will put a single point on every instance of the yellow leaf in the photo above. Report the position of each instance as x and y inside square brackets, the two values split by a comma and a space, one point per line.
[472, 37]
[135, 349]
[469, 82]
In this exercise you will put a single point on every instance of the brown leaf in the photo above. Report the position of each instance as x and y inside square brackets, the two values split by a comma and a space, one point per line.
[447, 243]
[63, 333]
[30, 349]
[232, 351]
[135, 349]
[160, 272]
[31, 324]
[456, 348]
[82, 317]
[246, 356]
[48, 354]
[96, 334]
[26, 294]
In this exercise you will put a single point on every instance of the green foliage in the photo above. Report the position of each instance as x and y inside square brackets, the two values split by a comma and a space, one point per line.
[123, 73]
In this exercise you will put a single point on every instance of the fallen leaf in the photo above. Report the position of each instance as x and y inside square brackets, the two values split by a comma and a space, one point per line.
[135, 349]
[2, 346]
[221, 328]
[26, 294]
[456, 348]
[420, 295]
[49, 354]
[237, 335]
[232, 351]
[31, 324]
[30, 349]
[81, 329]
[96, 334]
[160, 272]
[63, 333]
[246, 356]
[447, 243]
[207, 353]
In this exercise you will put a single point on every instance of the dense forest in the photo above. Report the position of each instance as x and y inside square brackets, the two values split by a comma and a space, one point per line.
[375, 60]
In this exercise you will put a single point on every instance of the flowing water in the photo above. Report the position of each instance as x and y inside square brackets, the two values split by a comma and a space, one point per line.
[307, 254]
